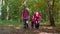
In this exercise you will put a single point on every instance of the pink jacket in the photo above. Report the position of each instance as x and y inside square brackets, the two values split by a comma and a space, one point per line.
[37, 16]
[25, 14]
[32, 19]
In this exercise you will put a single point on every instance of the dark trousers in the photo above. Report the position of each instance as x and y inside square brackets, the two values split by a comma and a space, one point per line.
[25, 23]
[32, 24]
[36, 24]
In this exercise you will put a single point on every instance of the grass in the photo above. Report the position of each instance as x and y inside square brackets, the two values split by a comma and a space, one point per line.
[10, 22]
[16, 23]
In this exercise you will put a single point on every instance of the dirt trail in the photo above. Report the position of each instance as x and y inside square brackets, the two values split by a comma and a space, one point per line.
[42, 30]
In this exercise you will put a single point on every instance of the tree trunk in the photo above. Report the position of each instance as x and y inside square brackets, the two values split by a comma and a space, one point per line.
[51, 12]
[7, 9]
[7, 17]
[0, 7]
[25, 3]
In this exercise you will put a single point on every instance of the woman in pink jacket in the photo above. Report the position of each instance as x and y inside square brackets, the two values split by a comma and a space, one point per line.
[25, 18]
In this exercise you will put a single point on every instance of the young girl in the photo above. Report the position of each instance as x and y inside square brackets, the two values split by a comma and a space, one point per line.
[37, 17]
[32, 22]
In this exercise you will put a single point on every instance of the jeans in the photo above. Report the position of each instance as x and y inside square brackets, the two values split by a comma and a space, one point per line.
[37, 24]
[25, 23]
[32, 24]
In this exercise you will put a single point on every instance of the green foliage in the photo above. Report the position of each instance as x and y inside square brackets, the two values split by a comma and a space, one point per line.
[3, 12]
[17, 6]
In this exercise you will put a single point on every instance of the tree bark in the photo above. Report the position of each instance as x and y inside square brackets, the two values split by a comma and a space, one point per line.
[0, 7]
[7, 17]
[51, 12]
[7, 9]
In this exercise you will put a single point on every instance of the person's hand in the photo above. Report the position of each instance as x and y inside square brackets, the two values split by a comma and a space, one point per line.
[35, 18]
[26, 21]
